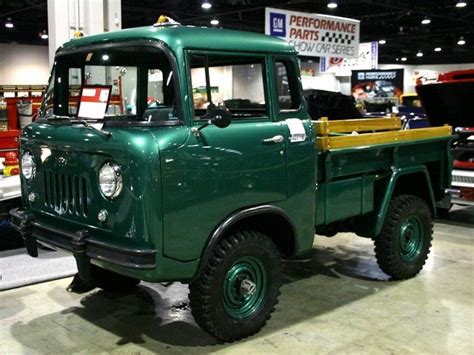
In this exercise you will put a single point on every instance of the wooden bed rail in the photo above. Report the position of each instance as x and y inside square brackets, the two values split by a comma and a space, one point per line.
[325, 127]
[345, 133]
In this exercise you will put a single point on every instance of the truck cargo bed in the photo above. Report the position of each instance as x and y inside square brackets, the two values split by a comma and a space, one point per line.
[354, 154]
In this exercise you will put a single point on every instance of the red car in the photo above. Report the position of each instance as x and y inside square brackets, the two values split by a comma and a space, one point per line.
[449, 101]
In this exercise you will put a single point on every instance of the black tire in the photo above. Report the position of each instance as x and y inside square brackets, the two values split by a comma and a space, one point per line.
[209, 300]
[403, 245]
[112, 282]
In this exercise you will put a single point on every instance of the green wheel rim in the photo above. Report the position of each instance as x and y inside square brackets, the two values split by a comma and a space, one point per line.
[412, 235]
[244, 287]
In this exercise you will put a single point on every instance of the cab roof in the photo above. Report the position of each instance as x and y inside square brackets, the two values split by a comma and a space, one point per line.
[179, 37]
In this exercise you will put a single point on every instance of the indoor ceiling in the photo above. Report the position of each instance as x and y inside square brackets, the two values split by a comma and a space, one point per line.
[396, 22]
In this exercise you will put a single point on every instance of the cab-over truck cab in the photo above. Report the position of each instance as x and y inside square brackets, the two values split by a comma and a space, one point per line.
[206, 169]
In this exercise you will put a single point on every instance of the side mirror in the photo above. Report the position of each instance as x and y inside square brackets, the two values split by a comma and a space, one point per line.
[220, 117]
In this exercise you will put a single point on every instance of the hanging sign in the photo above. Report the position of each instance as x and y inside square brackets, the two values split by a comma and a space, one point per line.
[315, 35]
[367, 59]
[94, 101]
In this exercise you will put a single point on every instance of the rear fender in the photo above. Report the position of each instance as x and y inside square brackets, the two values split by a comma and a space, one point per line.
[417, 172]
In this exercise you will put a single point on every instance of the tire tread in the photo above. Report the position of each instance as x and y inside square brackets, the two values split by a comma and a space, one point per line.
[385, 252]
[202, 306]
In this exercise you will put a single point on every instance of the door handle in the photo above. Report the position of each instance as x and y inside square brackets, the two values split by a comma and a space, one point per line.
[275, 139]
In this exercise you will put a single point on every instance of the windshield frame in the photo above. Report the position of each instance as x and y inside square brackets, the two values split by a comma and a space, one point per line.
[156, 44]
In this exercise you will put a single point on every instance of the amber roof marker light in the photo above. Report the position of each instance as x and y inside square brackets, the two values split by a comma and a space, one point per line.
[165, 21]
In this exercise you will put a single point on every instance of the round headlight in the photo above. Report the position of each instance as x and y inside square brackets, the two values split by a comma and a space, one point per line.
[110, 180]
[28, 166]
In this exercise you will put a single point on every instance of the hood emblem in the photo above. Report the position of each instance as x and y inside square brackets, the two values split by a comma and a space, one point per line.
[61, 161]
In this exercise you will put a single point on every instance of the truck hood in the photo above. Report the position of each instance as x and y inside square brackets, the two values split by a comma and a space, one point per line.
[68, 159]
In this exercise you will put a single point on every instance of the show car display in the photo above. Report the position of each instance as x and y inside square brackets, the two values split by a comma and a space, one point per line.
[210, 171]
[10, 191]
[18, 104]
[448, 101]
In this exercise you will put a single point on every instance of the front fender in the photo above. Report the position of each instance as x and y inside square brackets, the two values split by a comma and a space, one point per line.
[234, 219]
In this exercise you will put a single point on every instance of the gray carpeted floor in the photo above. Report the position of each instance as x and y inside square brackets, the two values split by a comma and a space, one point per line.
[18, 269]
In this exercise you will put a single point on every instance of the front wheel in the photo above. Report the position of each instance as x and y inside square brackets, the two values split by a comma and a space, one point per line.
[236, 293]
[403, 245]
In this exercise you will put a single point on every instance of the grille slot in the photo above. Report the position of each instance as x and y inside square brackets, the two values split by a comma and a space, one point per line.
[65, 193]
[463, 179]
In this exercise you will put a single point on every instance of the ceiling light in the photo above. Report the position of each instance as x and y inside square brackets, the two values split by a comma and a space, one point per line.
[332, 4]
[43, 35]
[206, 5]
[461, 41]
[214, 22]
[382, 41]
[105, 57]
[403, 59]
[438, 49]
[461, 4]
[419, 54]
[425, 21]
[9, 23]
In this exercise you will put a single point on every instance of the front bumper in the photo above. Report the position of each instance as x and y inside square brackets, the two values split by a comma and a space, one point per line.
[80, 243]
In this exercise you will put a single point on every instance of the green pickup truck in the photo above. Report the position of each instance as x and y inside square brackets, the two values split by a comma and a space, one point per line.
[207, 169]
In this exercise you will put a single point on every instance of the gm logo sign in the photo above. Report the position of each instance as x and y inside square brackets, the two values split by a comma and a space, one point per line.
[277, 24]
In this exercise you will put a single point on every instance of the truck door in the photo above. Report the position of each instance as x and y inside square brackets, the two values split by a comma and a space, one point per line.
[221, 170]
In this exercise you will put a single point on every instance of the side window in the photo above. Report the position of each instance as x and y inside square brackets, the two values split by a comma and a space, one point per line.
[236, 83]
[287, 85]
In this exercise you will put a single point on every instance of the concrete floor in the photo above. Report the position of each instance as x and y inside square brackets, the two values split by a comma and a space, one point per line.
[338, 301]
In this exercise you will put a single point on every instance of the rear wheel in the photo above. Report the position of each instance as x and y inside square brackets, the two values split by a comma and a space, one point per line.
[111, 281]
[403, 245]
[236, 293]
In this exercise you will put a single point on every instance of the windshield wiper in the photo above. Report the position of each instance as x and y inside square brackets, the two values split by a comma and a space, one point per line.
[86, 124]
[55, 117]
[69, 120]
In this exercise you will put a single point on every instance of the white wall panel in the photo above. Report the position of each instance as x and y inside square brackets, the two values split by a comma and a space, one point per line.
[23, 64]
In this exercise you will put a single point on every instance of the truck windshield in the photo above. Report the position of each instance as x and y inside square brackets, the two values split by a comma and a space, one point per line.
[141, 78]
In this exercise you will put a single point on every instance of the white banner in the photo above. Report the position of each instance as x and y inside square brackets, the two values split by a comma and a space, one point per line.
[368, 59]
[315, 35]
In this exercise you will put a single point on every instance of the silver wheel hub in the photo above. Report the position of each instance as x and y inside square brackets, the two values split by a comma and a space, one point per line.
[247, 287]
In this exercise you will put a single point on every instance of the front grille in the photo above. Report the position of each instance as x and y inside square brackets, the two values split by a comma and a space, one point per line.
[65, 193]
